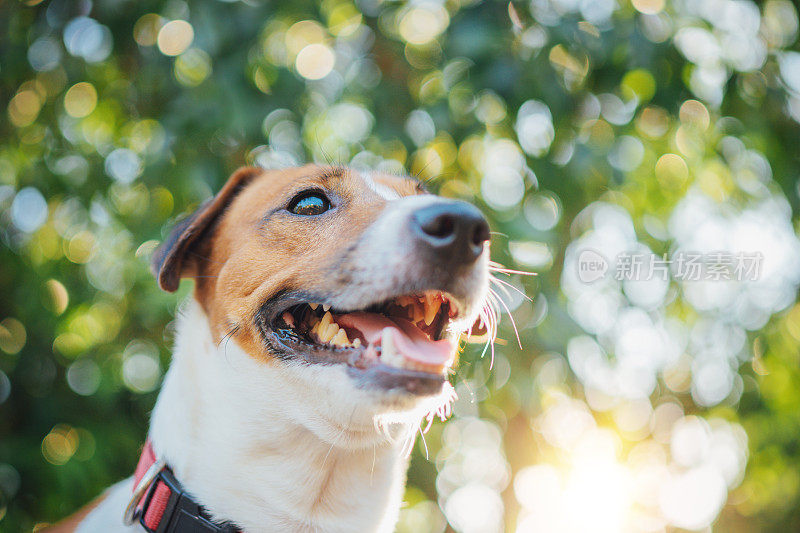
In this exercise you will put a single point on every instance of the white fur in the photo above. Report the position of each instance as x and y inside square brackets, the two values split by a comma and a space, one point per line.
[108, 515]
[387, 193]
[271, 446]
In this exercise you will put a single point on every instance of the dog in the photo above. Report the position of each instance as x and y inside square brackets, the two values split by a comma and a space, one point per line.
[327, 309]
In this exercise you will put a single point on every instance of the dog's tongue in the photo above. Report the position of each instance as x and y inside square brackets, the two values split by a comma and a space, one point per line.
[410, 341]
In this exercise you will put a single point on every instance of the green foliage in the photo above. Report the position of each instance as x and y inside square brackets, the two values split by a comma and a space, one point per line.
[614, 126]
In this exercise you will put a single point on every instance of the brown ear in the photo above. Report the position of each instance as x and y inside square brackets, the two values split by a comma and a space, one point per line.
[172, 260]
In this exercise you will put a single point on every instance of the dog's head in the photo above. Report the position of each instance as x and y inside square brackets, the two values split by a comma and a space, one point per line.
[338, 272]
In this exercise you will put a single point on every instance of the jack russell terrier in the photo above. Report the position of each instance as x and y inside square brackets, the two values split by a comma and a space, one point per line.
[325, 319]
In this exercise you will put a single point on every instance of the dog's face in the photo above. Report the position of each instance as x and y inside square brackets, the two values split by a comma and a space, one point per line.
[330, 272]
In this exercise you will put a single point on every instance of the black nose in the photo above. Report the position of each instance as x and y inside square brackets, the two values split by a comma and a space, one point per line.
[455, 231]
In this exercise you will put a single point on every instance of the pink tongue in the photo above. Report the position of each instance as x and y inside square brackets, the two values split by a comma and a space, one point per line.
[410, 341]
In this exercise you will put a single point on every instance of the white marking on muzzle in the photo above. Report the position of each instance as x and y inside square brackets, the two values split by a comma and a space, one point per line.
[387, 193]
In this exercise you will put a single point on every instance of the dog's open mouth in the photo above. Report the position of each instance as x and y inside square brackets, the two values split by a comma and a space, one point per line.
[407, 333]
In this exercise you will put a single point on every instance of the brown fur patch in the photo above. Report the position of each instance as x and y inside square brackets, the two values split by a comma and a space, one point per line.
[176, 257]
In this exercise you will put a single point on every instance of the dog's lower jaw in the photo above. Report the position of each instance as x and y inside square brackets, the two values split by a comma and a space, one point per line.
[226, 424]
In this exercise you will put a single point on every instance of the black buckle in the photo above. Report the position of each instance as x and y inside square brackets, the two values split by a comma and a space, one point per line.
[182, 514]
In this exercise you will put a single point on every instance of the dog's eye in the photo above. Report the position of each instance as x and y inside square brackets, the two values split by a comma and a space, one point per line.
[309, 204]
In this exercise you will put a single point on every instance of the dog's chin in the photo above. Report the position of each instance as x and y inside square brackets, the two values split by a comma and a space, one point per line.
[340, 410]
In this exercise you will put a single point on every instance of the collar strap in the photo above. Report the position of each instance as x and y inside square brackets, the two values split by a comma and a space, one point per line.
[160, 503]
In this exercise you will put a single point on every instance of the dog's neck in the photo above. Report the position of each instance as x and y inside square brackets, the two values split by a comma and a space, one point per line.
[228, 427]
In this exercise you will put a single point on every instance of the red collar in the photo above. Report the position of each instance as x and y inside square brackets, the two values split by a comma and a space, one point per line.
[160, 504]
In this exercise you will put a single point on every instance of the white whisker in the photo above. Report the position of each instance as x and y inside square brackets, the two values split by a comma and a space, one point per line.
[491, 309]
[425, 444]
[500, 286]
[513, 323]
[497, 267]
[489, 318]
[408, 446]
[510, 286]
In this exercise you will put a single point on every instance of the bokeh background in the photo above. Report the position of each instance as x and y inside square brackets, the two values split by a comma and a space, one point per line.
[612, 125]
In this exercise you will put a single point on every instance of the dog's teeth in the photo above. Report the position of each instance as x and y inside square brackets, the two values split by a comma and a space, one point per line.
[341, 338]
[419, 312]
[313, 306]
[329, 333]
[326, 308]
[332, 331]
[356, 343]
[431, 309]
[315, 329]
[327, 320]
[288, 319]
[321, 327]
